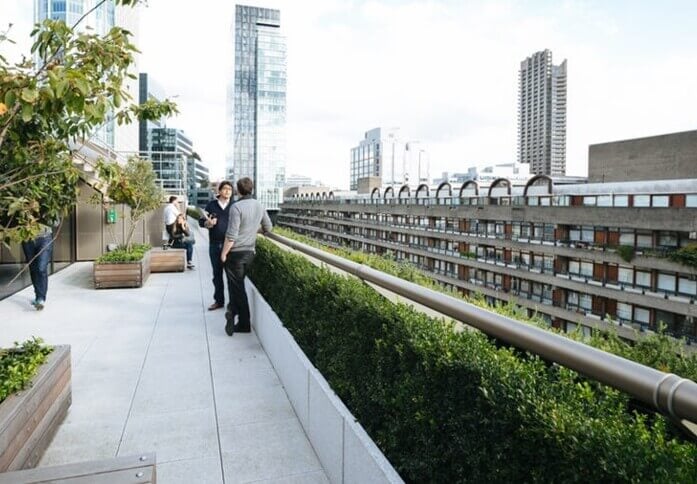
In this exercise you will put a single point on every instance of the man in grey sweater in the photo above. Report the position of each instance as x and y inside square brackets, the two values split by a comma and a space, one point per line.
[246, 216]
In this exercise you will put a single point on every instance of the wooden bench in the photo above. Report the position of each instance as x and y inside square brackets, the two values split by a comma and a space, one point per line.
[138, 469]
[169, 260]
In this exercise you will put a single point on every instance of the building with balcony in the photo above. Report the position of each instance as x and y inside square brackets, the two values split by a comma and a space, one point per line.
[595, 255]
[542, 114]
[256, 104]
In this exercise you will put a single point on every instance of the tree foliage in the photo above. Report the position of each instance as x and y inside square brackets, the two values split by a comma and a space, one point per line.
[132, 184]
[49, 106]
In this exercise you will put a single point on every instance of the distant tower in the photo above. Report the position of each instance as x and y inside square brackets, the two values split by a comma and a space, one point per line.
[256, 104]
[542, 114]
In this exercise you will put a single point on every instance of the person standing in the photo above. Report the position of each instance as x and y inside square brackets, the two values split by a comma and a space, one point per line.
[183, 239]
[170, 215]
[38, 253]
[215, 219]
[246, 215]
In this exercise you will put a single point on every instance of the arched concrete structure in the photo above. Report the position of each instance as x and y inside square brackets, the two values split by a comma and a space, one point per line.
[405, 188]
[389, 190]
[500, 183]
[468, 186]
[422, 191]
[441, 186]
[535, 182]
[375, 194]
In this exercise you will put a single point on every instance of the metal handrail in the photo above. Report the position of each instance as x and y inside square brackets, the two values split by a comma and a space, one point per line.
[666, 392]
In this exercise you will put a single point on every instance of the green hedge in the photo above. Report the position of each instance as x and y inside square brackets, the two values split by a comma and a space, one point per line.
[18, 365]
[448, 406]
[655, 350]
[121, 254]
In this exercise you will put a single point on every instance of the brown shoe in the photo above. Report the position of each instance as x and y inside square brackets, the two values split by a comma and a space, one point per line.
[215, 306]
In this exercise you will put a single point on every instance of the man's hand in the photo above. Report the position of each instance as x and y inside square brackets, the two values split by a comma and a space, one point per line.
[223, 257]
[211, 222]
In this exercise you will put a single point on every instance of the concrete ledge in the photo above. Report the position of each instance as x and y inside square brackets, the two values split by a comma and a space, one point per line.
[346, 451]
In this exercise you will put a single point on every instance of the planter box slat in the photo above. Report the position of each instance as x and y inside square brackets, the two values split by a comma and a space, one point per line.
[116, 470]
[122, 274]
[30, 418]
[34, 439]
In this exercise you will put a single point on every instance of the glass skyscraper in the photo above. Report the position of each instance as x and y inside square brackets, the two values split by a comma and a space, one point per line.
[256, 104]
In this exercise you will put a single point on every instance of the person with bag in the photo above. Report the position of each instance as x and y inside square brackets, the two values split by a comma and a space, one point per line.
[183, 238]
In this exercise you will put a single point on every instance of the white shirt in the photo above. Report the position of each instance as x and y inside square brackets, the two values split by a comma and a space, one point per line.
[223, 205]
[171, 212]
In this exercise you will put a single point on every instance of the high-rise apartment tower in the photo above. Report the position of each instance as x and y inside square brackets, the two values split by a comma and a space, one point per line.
[542, 114]
[256, 104]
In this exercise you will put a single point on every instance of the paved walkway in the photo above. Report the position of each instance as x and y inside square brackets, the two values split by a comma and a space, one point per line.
[153, 370]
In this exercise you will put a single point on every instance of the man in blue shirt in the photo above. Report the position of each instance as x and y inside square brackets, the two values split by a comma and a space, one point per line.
[215, 219]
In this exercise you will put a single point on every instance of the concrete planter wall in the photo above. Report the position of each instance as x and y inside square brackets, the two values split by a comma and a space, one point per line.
[347, 453]
[122, 274]
[29, 419]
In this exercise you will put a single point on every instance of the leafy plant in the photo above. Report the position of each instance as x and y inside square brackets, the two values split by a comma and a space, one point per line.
[133, 185]
[121, 254]
[49, 107]
[18, 365]
[449, 406]
[686, 255]
[656, 350]
[626, 252]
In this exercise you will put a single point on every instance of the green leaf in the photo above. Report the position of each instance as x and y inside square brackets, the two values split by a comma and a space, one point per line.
[29, 95]
[10, 98]
[27, 112]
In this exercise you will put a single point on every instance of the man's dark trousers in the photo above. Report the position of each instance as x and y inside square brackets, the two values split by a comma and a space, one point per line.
[214, 250]
[41, 248]
[236, 267]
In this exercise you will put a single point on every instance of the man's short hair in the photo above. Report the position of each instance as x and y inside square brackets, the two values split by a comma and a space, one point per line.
[245, 186]
[225, 183]
[172, 198]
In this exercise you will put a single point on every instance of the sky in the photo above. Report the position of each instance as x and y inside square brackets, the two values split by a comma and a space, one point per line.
[444, 71]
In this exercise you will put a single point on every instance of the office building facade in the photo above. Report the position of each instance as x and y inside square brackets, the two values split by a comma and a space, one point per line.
[596, 255]
[256, 104]
[383, 154]
[542, 114]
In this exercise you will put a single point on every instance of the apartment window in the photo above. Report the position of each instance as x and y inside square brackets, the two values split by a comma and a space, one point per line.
[644, 240]
[668, 239]
[589, 201]
[625, 275]
[587, 234]
[627, 237]
[585, 301]
[643, 278]
[642, 200]
[687, 286]
[691, 200]
[621, 201]
[524, 286]
[624, 311]
[641, 315]
[545, 201]
[574, 267]
[660, 201]
[575, 233]
[587, 269]
[605, 201]
[666, 282]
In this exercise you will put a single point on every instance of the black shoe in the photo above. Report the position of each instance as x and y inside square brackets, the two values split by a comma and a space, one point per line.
[229, 324]
[242, 328]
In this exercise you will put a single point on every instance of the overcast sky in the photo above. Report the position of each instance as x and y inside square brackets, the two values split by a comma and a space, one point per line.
[445, 72]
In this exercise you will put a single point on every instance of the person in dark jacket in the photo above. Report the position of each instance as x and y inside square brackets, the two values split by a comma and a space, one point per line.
[215, 219]
[182, 238]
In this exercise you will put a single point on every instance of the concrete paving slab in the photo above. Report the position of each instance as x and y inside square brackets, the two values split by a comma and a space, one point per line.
[154, 371]
[262, 451]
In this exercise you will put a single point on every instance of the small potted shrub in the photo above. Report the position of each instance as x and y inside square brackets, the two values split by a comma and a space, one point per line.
[132, 185]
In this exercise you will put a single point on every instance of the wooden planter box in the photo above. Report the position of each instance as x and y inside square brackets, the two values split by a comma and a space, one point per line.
[170, 260]
[29, 419]
[122, 274]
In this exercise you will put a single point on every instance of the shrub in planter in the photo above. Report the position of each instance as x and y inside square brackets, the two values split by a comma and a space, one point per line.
[448, 406]
[686, 255]
[626, 252]
[18, 365]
